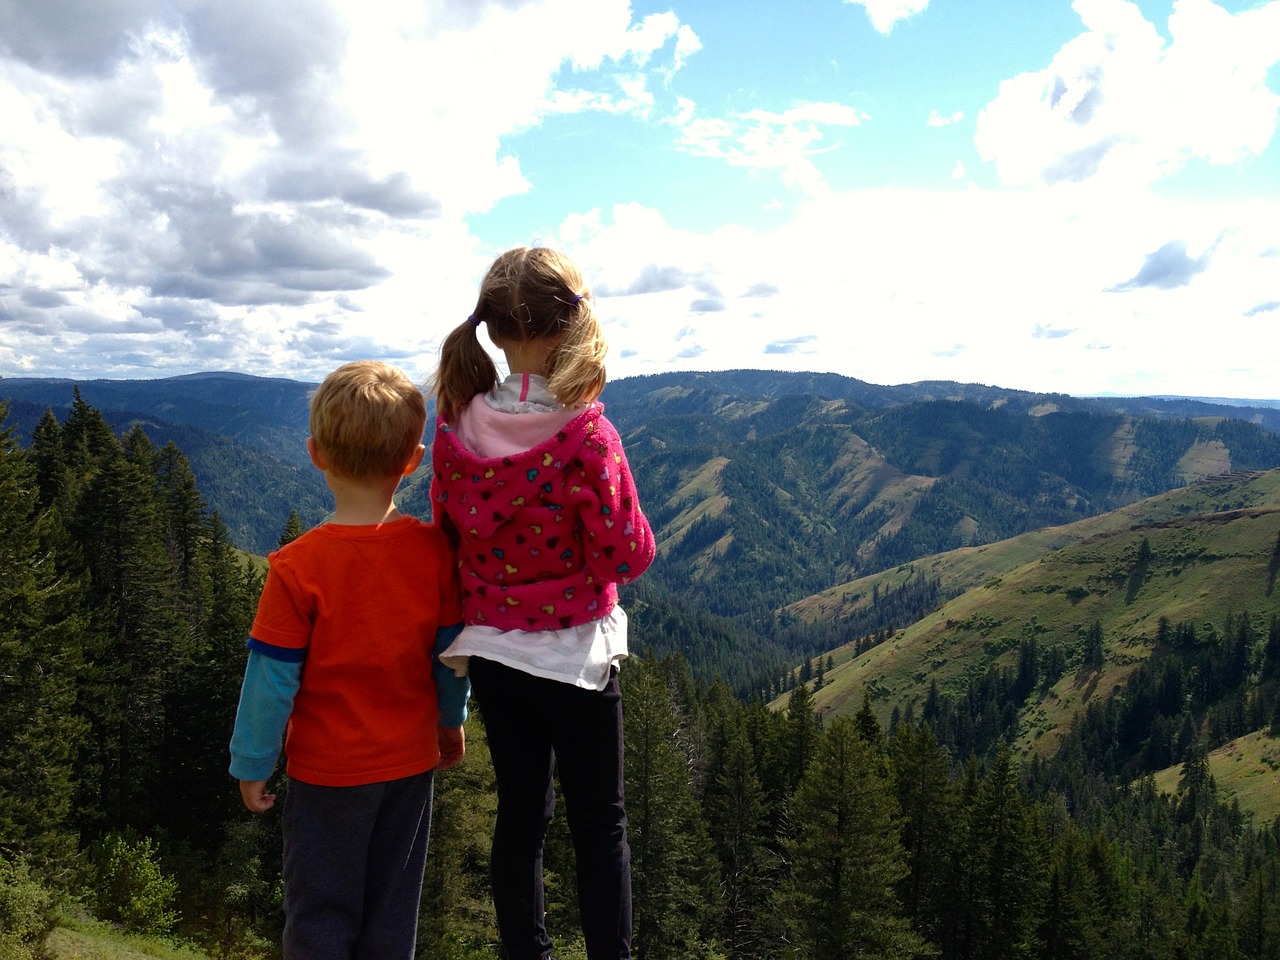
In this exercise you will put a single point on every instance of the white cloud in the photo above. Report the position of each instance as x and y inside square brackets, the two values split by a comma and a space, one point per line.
[767, 140]
[274, 186]
[883, 14]
[273, 181]
[1120, 104]
[938, 120]
[894, 286]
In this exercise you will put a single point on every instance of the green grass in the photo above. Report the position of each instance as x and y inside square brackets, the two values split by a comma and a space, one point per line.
[1247, 769]
[78, 938]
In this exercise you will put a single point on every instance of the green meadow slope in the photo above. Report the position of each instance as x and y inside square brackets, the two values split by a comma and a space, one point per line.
[1195, 554]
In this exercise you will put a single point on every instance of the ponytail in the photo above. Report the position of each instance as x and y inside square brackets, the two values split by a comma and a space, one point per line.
[465, 369]
[575, 371]
[528, 293]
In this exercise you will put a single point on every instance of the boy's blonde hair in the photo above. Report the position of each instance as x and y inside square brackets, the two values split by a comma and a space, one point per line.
[367, 418]
[529, 293]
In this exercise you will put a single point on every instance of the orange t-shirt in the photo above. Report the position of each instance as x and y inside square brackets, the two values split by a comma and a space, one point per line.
[361, 605]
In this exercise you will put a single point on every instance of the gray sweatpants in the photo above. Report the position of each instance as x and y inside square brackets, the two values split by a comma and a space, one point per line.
[353, 862]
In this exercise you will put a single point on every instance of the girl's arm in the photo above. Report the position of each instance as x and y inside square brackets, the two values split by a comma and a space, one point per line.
[617, 538]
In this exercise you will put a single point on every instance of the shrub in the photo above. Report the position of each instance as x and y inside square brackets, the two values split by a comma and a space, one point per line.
[27, 909]
[11, 948]
[129, 888]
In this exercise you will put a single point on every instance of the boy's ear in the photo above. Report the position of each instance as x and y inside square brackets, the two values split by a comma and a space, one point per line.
[316, 454]
[414, 460]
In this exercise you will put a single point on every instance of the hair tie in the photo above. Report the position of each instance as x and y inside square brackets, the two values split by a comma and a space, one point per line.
[577, 297]
[475, 321]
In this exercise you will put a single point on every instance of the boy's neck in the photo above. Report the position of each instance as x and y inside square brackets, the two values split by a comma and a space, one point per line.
[363, 503]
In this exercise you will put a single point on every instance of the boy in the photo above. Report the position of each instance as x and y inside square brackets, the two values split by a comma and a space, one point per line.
[342, 654]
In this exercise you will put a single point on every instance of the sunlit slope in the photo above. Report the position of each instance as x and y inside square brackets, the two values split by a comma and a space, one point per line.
[1210, 550]
[1247, 769]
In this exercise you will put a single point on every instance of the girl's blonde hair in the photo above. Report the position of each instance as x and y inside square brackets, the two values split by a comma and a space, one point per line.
[529, 293]
[367, 418]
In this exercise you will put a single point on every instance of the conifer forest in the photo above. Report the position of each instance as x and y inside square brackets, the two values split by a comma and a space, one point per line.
[757, 828]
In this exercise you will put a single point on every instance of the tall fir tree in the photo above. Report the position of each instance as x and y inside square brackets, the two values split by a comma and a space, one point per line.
[845, 856]
[202, 690]
[49, 457]
[674, 872]
[801, 731]
[135, 627]
[737, 819]
[293, 528]
[1008, 875]
[185, 524]
[40, 659]
[927, 803]
[1071, 924]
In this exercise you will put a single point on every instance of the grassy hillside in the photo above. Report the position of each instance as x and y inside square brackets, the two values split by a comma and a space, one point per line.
[1247, 768]
[81, 939]
[1210, 550]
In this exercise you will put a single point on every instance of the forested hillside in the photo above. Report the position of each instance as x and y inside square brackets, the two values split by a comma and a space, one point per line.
[796, 493]
[791, 483]
[756, 832]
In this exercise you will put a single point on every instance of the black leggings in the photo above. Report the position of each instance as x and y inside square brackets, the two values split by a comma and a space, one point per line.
[532, 725]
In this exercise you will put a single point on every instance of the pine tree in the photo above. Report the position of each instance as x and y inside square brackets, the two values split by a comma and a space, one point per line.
[185, 522]
[674, 872]
[1008, 878]
[1094, 647]
[1271, 650]
[921, 777]
[1257, 920]
[868, 725]
[293, 528]
[800, 736]
[457, 908]
[736, 817]
[135, 627]
[1071, 926]
[40, 659]
[202, 689]
[845, 857]
[48, 455]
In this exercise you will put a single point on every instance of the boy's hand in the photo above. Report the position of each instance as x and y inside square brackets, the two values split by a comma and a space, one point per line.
[255, 797]
[453, 744]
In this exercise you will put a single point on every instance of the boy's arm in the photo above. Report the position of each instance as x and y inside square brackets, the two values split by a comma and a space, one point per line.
[452, 691]
[271, 679]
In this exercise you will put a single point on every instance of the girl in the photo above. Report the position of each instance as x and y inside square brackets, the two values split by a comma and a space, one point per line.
[533, 481]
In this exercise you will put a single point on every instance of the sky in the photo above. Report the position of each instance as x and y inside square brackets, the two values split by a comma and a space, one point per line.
[1070, 197]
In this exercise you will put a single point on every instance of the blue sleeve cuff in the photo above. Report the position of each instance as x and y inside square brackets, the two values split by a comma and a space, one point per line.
[287, 654]
[266, 700]
[452, 691]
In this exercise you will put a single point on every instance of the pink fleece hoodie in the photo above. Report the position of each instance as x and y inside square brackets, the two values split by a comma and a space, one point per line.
[546, 532]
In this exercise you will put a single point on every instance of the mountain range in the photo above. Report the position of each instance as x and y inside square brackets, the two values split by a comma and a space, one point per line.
[913, 541]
